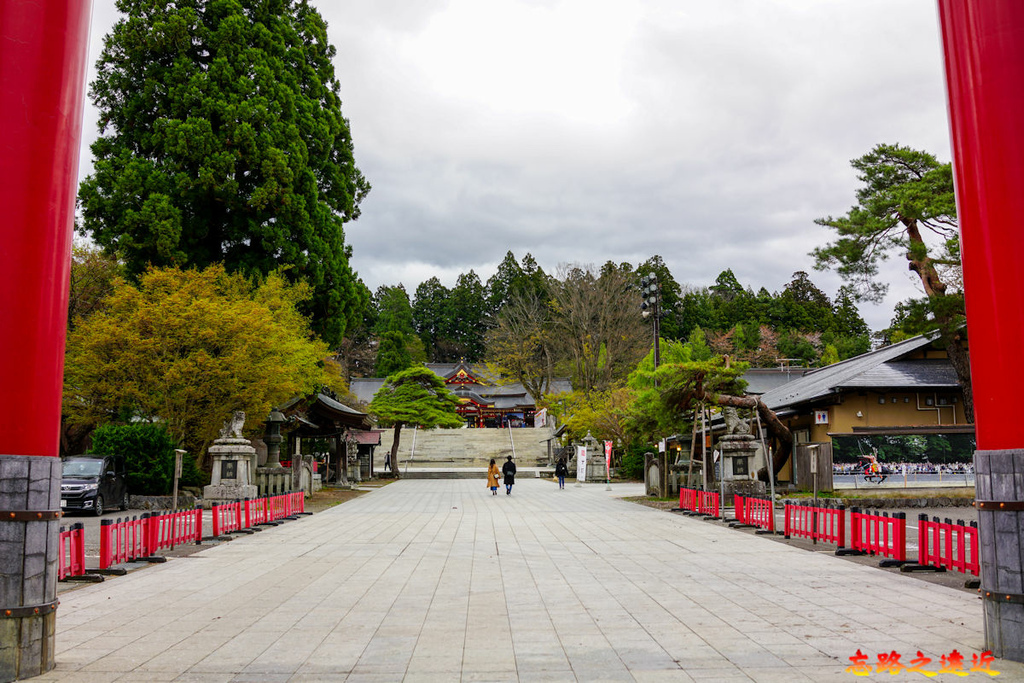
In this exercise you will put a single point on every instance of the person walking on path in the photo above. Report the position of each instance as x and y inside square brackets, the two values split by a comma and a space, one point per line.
[509, 470]
[492, 478]
[561, 470]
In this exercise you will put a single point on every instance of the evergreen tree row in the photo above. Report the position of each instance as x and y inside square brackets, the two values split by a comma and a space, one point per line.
[800, 325]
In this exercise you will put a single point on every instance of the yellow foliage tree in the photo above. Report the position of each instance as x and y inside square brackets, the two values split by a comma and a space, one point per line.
[189, 347]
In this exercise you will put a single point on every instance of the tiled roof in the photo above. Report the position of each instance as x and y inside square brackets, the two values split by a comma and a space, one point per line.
[505, 396]
[919, 374]
[365, 387]
[473, 396]
[368, 438]
[885, 368]
[341, 407]
[761, 380]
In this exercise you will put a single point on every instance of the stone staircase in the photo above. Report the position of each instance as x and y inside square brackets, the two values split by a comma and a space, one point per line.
[459, 453]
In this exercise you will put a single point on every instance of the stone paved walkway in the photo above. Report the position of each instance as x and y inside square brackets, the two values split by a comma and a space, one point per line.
[437, 580]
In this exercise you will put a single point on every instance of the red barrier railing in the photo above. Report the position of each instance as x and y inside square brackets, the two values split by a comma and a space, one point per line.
[948, 545]
[278, 507]
[688, 499]
[72, 552]
[255, 511]
[707, 503]
[693, 500]
[819, 523]
[879, 534]
[739, 504]
[171, 529]
[758, 512]
[131, 539]
[122, 541]
[227, 517]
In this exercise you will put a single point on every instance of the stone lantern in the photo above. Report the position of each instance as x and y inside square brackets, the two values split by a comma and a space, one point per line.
[273, 437]
[595, 459]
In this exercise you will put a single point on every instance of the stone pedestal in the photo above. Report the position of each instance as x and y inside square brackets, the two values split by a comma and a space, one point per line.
[999, 484]
[738, 464]
[29, 545]
[233, 470]
[737, 456]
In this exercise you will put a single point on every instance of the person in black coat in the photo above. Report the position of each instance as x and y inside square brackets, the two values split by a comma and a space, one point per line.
[561, 471]
[509, 470]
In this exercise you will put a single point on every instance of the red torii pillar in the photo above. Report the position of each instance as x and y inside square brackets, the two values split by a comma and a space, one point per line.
[43, 51]
[983, 42]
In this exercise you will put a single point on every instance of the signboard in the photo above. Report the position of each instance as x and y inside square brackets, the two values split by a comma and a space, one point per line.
[821, 417]
[540, 419]
[581, 463]
[608, 459]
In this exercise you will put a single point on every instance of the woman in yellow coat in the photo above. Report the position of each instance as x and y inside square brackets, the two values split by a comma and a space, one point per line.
[492, 477]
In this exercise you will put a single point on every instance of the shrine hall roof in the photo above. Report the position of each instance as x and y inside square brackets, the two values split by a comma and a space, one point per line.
[504, 396]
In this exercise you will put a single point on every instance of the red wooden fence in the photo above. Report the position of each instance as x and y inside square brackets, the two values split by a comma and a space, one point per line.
[819, 523]
[879, 534]
[948, 546]
[122, 540]
[72, 552]
[756, 512]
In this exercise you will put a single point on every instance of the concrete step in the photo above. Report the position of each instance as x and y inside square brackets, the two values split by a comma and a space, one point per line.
[472, 473]
[466, 448]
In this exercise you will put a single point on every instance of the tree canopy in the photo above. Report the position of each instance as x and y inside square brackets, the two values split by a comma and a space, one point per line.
[906, 207]
[92, 280]
[522, 345]
[187, 348]
[222, 141]
[415, 396]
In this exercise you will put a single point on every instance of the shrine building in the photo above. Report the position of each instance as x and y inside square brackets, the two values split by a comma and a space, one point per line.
[484, 400]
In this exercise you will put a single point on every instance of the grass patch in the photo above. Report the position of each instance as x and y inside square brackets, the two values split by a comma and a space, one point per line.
[651, 502]
[327, 498]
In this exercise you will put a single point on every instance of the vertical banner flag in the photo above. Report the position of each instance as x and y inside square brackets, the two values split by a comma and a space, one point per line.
[581, 463]
[608, 459]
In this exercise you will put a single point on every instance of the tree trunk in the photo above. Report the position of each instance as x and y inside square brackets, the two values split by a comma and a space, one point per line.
[394, 450]
[961, 362]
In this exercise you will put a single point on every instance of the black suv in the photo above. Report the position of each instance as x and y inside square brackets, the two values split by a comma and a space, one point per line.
[93, 483]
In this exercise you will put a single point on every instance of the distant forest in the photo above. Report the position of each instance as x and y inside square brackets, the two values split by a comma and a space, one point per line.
[800, 325]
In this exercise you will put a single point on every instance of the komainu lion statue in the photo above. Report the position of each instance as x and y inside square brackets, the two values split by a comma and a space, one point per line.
[734, 424]
[233, 428]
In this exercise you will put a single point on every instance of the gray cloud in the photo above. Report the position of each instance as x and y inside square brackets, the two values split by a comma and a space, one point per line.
[712, 134]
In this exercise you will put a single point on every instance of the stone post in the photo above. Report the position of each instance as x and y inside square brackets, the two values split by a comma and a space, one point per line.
[43, 47]
[983, 42]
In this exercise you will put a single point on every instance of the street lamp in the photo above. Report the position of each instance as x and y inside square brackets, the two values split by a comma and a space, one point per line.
[651, 306]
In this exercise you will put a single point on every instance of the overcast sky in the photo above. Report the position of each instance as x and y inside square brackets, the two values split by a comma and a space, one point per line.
[582, 131]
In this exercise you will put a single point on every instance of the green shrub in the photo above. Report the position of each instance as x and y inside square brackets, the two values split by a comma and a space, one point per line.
[148, 450]
[632, 465]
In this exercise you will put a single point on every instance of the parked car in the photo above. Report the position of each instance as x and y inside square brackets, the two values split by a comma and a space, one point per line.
[93, 483]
